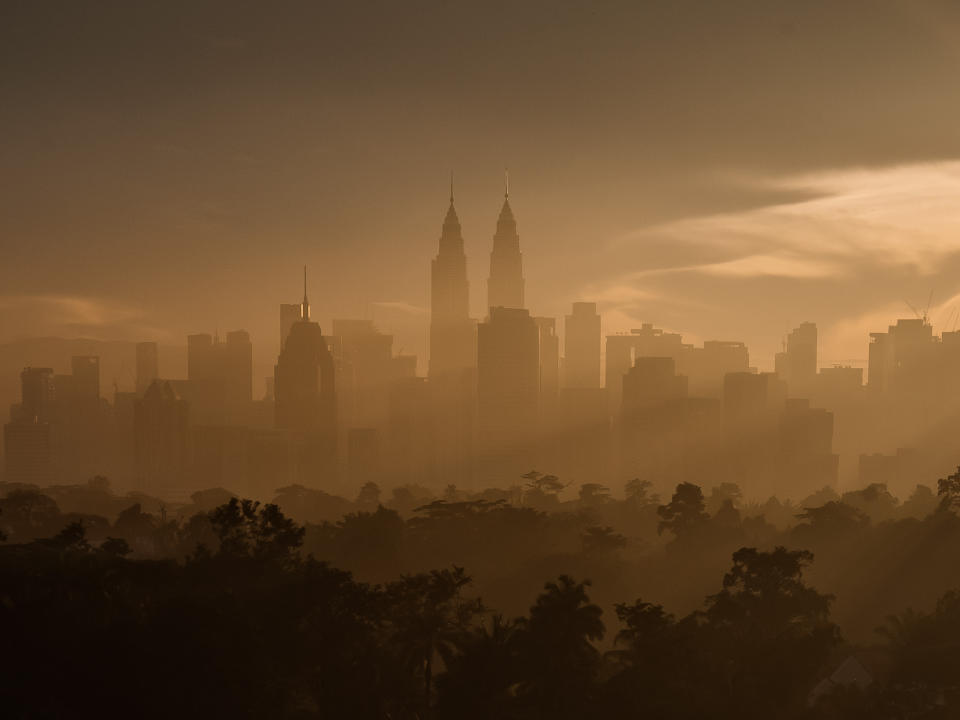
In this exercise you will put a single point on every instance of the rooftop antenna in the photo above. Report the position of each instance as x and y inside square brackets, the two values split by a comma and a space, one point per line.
[451, 187]
[506, 184]
[305, 307]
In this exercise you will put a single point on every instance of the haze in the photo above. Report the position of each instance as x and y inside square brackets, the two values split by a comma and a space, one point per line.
[725, 170]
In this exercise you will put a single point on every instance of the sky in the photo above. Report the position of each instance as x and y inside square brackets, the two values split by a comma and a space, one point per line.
[724, 170]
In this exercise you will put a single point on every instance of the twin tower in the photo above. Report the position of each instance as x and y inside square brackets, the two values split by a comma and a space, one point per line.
[453, 347]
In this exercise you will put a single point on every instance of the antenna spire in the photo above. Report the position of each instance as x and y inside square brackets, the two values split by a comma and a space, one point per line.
[451, 187]
[305, 307]
[506, 184]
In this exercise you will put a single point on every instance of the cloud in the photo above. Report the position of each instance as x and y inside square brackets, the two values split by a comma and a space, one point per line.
[69, 315]
[846, 253]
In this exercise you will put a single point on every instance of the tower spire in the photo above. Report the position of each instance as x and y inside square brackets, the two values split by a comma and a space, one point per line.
[506, 184]
[305, 306]
[451, 187]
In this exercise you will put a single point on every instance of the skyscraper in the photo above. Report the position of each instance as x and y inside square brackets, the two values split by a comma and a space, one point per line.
[148, 366]
[508, 379]
[549, 369]
[452, 332]
[304, 381]
[505, 286]
[28, 437]
[581, 347]
[289, 314]
[305, 397]
[161, 424]
[797, 364]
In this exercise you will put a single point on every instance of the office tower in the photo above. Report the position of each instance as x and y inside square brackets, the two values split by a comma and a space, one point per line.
[751, 398]
[903, 358]
[200, 366]
[37, 395]
[650, 383]
[306, 400]
[508, 379]
[304, 382]
[365, 367]
[581, 347]
[161, 424]
[807, 462]
[453, 345]
[549, 369]
[220, 375]
[752, 408]
[410, 448]
[236, 369]
[148, 365]
[622, 350]
[706, 367]
[86, 377]
[505, 285]
[797, 364]
[28, 437]
[289, 314]
[652, 422]
[304, 390]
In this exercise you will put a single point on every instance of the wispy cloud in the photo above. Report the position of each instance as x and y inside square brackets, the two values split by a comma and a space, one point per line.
[70, 315]
[846, 253]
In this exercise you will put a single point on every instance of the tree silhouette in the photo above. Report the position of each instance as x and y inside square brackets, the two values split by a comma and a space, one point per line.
[245, 529]
[430, 617]
[558, 658]
[773, 631]
[684, 513]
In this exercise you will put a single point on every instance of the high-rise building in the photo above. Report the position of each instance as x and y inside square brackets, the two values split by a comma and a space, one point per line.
[453, 344]
[161, 425]
[505, 286]
[86, 377]
[622, 351]
[797, 364]
[903, 358]
[289, 314]
[304, 382]
[549, 369]
[581, 347]
[220, 375]
[37, 395]
[508, 378]
[652, 421]
[28, 437]
[365, 368]
[306, 400]
[148, 365]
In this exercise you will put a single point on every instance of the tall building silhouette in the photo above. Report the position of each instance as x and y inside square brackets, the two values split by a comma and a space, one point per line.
[289, 314]
[28, 437]
[581, 347]
[797, 364]
[161, 428]
[148, 365]
[305, 395]
[549, 369]
[508, 380]
[220, 375]
[452, 332]
[505, 286]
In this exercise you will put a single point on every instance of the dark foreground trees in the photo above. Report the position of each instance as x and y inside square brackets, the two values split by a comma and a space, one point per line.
[248, 627]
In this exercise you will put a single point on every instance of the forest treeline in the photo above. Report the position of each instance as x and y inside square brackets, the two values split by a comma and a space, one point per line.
[479, 606]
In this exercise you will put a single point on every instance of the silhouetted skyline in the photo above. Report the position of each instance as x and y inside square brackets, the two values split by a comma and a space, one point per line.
[687, 165]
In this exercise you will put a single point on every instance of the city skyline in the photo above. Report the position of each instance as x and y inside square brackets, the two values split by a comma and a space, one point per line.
[706, 189]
